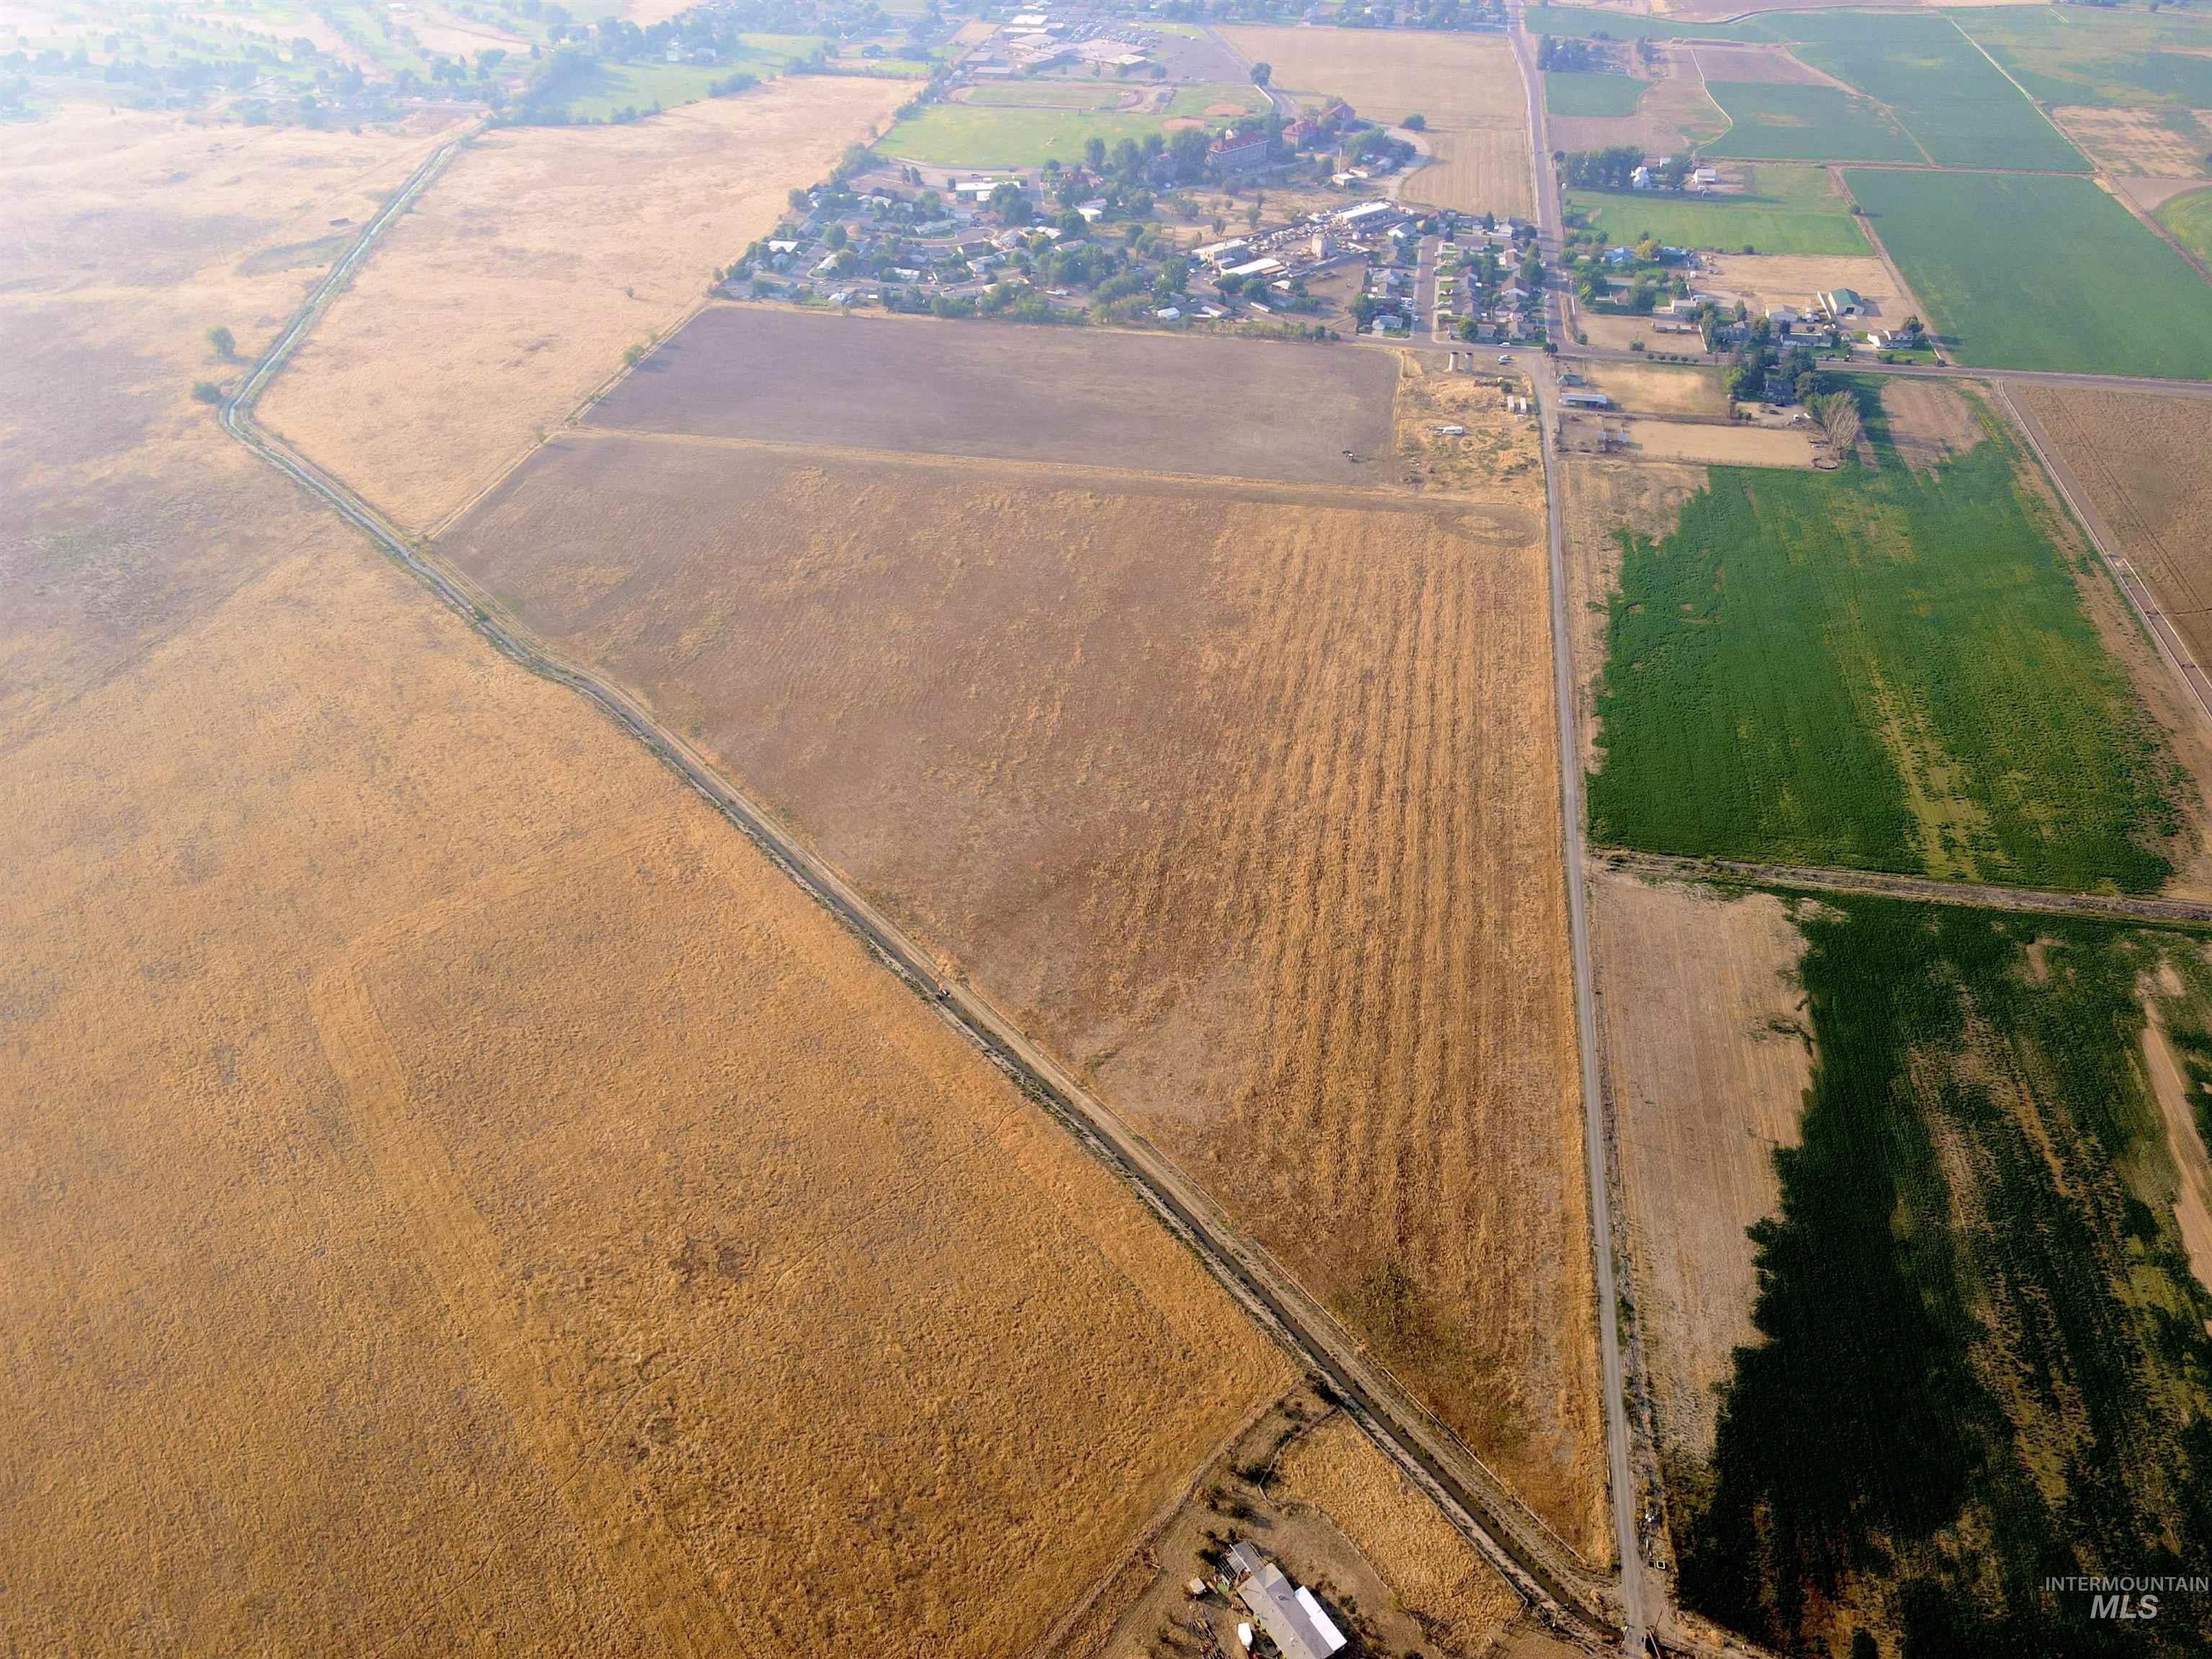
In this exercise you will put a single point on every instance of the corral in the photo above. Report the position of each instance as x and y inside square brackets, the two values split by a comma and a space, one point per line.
[515, 286]
[459, 1195]
[1239, 797]
[1145, 401]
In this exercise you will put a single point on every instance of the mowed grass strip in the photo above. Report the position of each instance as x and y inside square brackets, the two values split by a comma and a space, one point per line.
[1811, 123]
[1948, 94]
[1782, 209]
[1876, 668]
[1984, 1356]
[2025, 272]
[1575, 92]
[979, 136]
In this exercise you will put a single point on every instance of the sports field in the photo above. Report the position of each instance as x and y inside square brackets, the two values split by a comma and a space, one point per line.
[1806, 123]
[1886, 667]
[1569, 92]
[1954, 102]
[2025, 272]
[1783, 208]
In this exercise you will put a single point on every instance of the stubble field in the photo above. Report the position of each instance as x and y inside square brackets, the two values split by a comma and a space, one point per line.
[1240, 797]
[1083, 395]
[514, 286]
[457, 1194]
[1465, 85]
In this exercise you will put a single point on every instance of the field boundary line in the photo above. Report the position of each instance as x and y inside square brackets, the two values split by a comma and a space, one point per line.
[2149, 909]
[2065, 136]
[1483, 1508]
[1865, 222]
[2172, 649]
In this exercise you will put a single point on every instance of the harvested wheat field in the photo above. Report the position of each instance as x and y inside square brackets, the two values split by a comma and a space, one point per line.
[1239, 798]
[2140, 458]
[1658, 388]
[1465, 85]
[125, 513]
[1706, 445]
[457, 1196]
[516, 283]
[1929, 422]
[1708, 1057]
[2158, 143]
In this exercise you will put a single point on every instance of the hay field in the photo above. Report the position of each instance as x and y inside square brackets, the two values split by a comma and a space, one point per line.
[2152, 141]
[1467, 85]
[514, 285]
[1658, 388]
[1097, 397]
[457, 1195]
[1708, 1059]
[1239, 798]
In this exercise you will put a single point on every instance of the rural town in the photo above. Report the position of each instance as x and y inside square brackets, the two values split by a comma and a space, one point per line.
[1139, 829]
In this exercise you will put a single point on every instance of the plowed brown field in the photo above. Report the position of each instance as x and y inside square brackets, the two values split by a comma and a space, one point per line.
[1241, 797]
[457, 1197]
[514, 285]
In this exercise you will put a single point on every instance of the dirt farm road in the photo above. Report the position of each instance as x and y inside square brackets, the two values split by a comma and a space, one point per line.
[1643, 1600]
[1578, 1599]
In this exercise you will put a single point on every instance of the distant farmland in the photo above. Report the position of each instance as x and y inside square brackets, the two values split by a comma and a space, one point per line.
[1883, 667]
[1798, 122]
[1983, 1356]
[2023, 272]
[1240, 796]
[1004, 135]
[1783, 209]
[1567, 91]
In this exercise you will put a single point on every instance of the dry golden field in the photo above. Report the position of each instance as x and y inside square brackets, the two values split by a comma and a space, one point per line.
[1658, 388]
[1467, 85]
[1241, 797]
[2139, 141]
[1761, 280]
[1702, 445]
[515, 284]
[458, 1197]
[1708, 1059]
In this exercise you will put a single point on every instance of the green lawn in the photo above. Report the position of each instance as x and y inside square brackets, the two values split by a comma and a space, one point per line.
[1785, 209]
[1951, 98]
[2098, 55]
[1982, 1356]
[1573, 92]
[978, 136]
[2190, 219]
[1879, 669]
[1807, 124]
[1193, 102]
[615, 87]
[2025, 272]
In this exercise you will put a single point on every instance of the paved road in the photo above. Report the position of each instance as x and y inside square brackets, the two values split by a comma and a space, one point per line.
[1545, 1569]
[1926, 889]
[1932, 372]
[1643, 1599]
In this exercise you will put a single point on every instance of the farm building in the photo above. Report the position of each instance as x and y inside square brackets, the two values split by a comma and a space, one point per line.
[1585, 400]
[1290, 1613]
[1840, 303]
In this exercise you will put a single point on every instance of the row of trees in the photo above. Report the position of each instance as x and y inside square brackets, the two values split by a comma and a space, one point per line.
[1614, 168]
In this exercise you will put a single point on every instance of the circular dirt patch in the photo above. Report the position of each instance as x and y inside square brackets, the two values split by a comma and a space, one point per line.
[1226, 109]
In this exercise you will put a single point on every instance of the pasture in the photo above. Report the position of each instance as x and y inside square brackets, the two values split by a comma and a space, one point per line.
[2188, 220]
[1958, 106]
[1802, 122]
[1178, 770]
[2113, 58]
[1150, 401]
[2019, 272]
[511, 290]
[1982, 1356]
[1783, 208]
[1568, 92]
[1886, 667]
